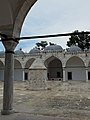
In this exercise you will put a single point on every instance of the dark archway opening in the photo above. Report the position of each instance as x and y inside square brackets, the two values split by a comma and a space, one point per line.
[54, 70]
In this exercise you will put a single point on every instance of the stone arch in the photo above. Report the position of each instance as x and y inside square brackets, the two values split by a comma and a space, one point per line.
[18, 71]
[17, 64]
[75, 61]
[22, 12]
[1, 71]
[50, 58]
[13, 16]
[29, 63]
[75, 69]
[54, 68]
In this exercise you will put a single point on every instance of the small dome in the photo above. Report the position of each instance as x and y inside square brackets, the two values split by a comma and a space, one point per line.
[74, 49]
[34, 50]
[19, 52]
[53, 48]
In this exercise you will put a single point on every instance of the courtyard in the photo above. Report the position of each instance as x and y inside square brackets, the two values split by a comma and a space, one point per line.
[68, 100]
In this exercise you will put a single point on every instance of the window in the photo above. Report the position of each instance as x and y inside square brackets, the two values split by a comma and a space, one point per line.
[69, 75]
[26, 76]
[88, 75]
[48, 75]
[58, 74]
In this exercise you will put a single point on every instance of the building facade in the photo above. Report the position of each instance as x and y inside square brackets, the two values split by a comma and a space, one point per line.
[52, 63]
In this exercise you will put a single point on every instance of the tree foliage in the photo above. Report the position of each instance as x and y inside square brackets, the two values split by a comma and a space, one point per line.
[41, 44]
[81, 40]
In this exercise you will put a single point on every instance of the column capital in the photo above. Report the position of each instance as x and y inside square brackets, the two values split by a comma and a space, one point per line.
[9, 45]
[86, 68]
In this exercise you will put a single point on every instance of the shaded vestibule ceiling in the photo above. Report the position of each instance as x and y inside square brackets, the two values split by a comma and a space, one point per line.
[75, 62]
[12, 14]
[48, 60]
[17, 64]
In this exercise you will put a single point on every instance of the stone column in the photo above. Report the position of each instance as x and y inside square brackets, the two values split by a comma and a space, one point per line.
[23, 75]
[64, 74]
[8, 77]
[86, 74]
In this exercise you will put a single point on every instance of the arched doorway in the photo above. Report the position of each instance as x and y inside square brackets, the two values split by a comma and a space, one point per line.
[1, 71]
[75, 69]
[18, 71]
[54, 68]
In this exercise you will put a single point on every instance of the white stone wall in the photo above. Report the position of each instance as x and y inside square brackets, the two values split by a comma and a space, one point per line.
[77, 73]
[18, 74]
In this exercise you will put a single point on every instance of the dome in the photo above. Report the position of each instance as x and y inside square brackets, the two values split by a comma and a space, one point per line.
[34, 50]
[53, 48]
[19, 52]
[74, 49]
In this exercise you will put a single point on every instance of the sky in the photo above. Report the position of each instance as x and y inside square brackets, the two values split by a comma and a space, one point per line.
[52, 17]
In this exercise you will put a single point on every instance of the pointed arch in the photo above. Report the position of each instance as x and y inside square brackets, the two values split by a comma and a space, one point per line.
[29, 63]
[75, 69]
[54, 68]
[23, 9]
[17, 64]
[75, 62]
[18, 71]
[50, 59]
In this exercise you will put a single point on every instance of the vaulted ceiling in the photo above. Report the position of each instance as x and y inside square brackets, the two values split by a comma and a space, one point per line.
[12, 14]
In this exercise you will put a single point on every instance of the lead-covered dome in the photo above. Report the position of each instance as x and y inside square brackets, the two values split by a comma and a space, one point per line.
[74, 49]
[34, 51]
[53, 48]
[19, 52]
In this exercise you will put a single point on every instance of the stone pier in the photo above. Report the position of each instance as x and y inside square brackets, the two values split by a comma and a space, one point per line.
[8, 77]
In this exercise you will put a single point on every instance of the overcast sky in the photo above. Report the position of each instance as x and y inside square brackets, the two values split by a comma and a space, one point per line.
[55, 16]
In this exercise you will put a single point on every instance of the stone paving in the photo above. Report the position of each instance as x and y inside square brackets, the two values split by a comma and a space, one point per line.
[62, 101]
[33, 117]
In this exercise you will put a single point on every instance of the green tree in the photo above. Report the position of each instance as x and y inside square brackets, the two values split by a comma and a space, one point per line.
[41, 44]
[38, 45]
[81, 40]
